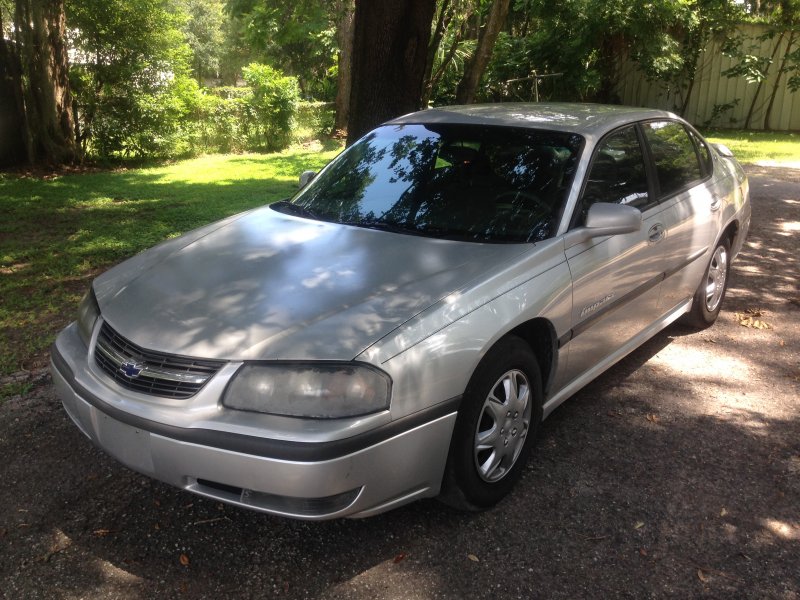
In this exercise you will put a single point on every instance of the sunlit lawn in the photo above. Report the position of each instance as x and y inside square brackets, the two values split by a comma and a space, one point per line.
[759, 146]
[57, 233]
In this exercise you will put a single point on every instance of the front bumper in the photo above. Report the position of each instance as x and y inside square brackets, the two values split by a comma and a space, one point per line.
[356, 477]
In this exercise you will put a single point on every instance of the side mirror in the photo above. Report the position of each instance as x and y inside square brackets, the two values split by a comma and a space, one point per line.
[723, 150]
[305, 177]
[606, 219]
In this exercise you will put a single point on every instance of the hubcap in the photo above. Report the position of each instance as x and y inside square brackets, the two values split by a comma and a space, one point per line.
[715, 278]
[502, 426]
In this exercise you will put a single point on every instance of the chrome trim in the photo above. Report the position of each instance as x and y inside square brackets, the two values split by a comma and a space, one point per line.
[156, 373]
[149, 371]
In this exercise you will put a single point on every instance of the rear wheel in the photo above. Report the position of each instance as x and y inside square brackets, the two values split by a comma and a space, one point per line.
[711, 292]
[498, 420]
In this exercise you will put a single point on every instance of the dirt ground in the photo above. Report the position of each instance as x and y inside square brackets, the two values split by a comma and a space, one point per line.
[675, 474]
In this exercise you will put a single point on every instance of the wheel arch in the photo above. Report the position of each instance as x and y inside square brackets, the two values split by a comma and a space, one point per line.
[540, 335]
[731, 232]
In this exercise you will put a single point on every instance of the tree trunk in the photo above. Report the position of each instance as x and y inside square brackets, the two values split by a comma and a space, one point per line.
[40, 38]
[344, 36]
[699, 41]
[610, 48]
[473, 70]
[389, 52]
[442, 23]
[448, 58]
[12, 106]
[776, 85]
[761, 83]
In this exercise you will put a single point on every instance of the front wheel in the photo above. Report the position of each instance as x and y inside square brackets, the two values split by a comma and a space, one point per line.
[499, 417]
[708, 298]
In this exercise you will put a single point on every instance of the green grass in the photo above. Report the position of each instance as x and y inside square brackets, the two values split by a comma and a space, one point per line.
[57, 233]
[757, 146]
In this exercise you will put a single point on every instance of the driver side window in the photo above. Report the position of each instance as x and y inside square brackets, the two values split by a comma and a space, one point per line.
[618, 174]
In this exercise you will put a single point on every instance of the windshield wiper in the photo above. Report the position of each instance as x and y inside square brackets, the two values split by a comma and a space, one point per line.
[429, 231]
[286, 206]
[383, 226]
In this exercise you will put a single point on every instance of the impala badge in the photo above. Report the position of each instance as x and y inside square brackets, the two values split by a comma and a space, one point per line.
[595, 305]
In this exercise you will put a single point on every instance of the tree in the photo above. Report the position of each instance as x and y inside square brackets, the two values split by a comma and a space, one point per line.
[296, 36]
[465, 94]
[204, 33]
[12, 105]
[708, 18]
[131, 76]
[37, 69]
[345, 10]
[389, 53]
[788, 18]
[452, 18]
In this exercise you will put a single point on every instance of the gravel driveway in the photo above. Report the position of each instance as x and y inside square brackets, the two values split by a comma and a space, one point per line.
[675, 474]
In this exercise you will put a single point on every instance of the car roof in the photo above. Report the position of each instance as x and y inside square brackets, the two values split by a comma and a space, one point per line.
[592, 120]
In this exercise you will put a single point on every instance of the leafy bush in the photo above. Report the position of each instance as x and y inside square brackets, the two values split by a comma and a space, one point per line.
[270, 108]
[155, 122]
[314, 120]
[220, 120]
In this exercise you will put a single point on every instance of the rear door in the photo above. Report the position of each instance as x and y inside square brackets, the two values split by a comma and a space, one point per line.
[682, 165]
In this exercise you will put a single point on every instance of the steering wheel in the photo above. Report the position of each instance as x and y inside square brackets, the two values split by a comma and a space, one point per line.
[511, 196]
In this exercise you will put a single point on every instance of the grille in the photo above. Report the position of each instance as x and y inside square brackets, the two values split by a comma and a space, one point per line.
[149, 372]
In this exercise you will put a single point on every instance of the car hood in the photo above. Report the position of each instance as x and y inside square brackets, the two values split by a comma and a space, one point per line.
[265, 285]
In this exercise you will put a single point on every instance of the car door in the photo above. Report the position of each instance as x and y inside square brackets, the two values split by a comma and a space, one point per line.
[682, 166]
[616, 279]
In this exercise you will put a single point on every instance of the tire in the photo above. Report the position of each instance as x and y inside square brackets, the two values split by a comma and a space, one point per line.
[494, 430]
[710, 293]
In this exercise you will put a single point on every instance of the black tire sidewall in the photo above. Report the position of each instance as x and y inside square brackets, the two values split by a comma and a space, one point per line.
[701, 316]
[509, 353]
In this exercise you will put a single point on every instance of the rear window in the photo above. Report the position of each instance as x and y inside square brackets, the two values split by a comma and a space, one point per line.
[674, 155]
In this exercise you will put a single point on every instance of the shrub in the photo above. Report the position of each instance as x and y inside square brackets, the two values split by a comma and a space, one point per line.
[132, 122]
[220, 120]
[270, 108]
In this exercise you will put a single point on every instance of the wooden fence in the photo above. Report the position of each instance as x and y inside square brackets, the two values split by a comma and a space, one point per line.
[717, 100]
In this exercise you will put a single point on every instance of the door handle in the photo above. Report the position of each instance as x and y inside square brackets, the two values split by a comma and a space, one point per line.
[656, 233]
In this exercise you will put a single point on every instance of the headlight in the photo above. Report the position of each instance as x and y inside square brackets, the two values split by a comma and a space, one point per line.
[88, 312]
[315, 390]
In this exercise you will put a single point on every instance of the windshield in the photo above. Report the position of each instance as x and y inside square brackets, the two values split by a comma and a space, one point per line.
[474, 183]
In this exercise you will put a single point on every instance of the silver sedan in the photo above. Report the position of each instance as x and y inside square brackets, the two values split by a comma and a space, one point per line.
[401, 326]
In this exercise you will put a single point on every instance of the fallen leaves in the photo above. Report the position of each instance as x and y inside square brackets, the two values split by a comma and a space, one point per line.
[184, 560]
[400, 557]
[752, 318]
[60, 543]
[473, 558]
[653, 418]
[206, 521]
[704, 571]
[638, 525]
[102, 532]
